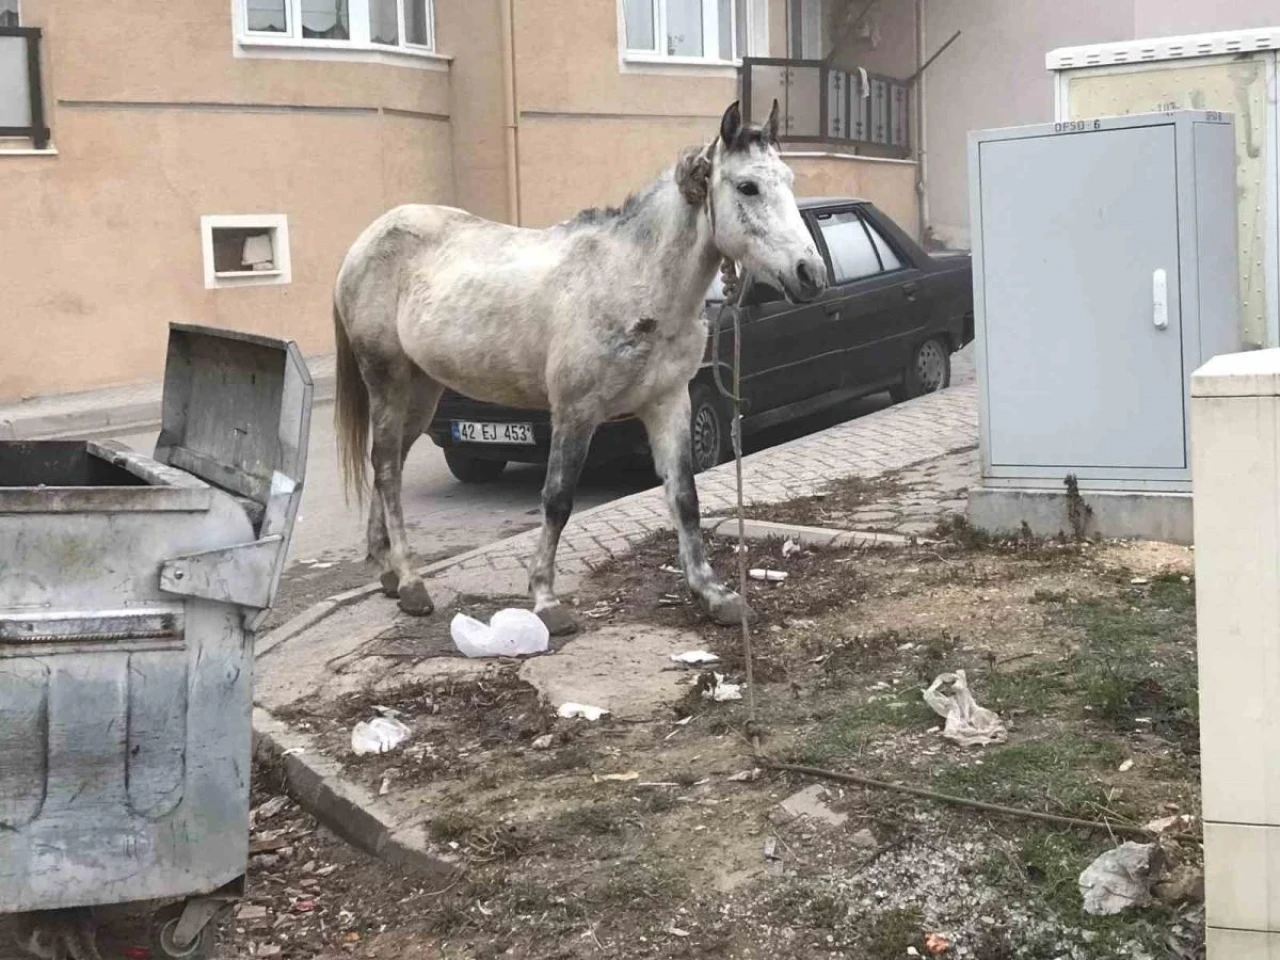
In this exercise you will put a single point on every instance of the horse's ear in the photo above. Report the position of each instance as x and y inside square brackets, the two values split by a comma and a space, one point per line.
[771, 125]
[731, 124]
[693, 175]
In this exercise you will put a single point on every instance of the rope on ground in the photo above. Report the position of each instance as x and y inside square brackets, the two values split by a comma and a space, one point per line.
[733, 285]
[995, 808]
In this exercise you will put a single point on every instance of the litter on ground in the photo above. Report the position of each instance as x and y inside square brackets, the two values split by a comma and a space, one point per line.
[379, 735]
[509, 633]
[769, 576]
[694, 657]
[568, 711]
[966, 723]
[1120, 879]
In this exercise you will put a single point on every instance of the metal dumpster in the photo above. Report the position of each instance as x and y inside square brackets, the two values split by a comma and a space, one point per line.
[130, 587]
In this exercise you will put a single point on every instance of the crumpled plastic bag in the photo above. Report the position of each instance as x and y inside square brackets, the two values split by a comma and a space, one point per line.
[966, 723]
[1121, 878]
[378, 735]
[509, 633]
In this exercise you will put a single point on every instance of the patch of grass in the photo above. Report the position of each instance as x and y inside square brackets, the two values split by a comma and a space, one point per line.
[1029, 690]
[890, 933]
[853, 727]
[451, 826]
[635, 885]
[565, 760]
[1055, 776]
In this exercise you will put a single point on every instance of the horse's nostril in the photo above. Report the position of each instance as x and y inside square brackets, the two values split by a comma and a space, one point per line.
[803, 274]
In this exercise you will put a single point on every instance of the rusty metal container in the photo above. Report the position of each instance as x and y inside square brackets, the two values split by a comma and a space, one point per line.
[130, 587]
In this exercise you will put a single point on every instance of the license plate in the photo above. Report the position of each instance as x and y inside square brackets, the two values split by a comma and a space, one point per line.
[467, 431]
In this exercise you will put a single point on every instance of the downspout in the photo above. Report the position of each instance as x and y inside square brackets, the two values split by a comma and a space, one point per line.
[510, 116]
[922, 192]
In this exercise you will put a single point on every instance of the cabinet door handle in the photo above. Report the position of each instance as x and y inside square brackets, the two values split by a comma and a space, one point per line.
[1160, 299]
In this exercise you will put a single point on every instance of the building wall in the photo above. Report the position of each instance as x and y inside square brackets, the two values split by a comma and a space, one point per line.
[995, 75]
[890, 184]
[108, 251]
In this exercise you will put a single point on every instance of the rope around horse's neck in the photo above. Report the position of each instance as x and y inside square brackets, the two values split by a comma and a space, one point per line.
[733, 284]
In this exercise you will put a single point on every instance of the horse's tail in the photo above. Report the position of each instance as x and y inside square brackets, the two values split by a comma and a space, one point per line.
[350, 412]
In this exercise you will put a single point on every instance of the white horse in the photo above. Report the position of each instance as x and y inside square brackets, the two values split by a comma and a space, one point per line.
[593, 318]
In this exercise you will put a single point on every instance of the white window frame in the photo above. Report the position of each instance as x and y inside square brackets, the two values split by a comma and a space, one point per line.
[277, 224]
[291, 44]
[657, 56]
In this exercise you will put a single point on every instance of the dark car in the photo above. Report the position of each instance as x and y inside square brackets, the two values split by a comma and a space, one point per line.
[890, 320]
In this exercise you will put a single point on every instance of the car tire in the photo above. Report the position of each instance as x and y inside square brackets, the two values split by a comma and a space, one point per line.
[709, 428]
[928, 372]
[473, 469]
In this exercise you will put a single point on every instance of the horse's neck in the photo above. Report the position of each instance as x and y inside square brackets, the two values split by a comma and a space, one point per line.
[675, 243]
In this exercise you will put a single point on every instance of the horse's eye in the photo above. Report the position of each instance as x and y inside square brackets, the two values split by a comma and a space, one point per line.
[748, 189]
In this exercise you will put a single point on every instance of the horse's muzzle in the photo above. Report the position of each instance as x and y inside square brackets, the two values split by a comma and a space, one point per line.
[810, 279]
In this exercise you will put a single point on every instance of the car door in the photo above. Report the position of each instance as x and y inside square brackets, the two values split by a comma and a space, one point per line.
[781, 345]
[872, 304]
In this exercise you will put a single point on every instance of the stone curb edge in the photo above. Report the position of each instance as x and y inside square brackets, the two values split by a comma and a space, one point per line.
[350, 811]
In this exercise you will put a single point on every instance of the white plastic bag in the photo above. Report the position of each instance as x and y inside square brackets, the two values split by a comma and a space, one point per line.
[509, 633]
[967, 723]
[378, 735]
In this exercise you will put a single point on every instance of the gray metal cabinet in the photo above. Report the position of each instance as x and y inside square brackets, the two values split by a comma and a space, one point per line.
[1104, 258]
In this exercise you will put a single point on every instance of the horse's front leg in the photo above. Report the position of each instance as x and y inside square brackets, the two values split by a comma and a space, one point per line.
[667, 422]
[570, 441]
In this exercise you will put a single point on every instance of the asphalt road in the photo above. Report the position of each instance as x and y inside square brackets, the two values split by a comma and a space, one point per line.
[445, 517]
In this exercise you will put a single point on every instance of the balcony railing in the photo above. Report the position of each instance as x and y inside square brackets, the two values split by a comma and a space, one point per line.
[819, 102]
[21, 93]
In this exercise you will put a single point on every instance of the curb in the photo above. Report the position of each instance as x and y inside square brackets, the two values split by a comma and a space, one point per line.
[351, 812]
[805, 536]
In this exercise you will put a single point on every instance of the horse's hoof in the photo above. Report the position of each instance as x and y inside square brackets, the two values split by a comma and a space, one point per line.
[391, 584]
[728, 609]
[414, 599]
[559, 621]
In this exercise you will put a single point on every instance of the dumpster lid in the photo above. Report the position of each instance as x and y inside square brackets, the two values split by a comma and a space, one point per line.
[236, 412]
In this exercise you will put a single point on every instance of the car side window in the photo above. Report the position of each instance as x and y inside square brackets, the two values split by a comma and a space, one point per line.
[852, 254]
[888, 259]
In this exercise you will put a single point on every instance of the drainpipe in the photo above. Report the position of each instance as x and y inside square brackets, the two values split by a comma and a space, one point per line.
[922, 192]
[510, 116]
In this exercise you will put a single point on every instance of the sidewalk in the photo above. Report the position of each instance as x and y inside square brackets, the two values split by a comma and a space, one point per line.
[114, 410]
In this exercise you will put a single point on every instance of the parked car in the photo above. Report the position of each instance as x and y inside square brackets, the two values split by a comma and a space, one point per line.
[890, 320]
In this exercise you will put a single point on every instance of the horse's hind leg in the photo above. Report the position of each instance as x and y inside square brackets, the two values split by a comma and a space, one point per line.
[667, 422]
[424, 395]
[399, 406]
[570, 441]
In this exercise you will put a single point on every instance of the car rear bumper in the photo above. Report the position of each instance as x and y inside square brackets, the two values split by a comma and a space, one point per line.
[614, 440]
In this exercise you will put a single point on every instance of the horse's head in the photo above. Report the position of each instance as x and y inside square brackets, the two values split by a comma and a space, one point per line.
[753, 214]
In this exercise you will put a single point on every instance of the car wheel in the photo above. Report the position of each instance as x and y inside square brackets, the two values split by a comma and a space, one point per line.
[709, 428]
[928, 372]
[473, 469]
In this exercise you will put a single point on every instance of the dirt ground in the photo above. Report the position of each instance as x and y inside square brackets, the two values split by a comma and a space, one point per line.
[667, 838]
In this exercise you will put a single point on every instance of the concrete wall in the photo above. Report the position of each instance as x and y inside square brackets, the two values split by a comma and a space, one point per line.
[995, 76]
[101, 243]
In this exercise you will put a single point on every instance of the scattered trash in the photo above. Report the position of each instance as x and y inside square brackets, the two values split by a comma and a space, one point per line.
[1126, 766]
[864, 839]
[668, 568]
[509, 633]
[670, 600]
[1139, 581]
[1182, 821]
[570, 710]
[251, 911]
[269, 808]
[694, 657]
[615, 777]
[385, 787]
[715, 688]
[378, 735]
[294, 751]
[789, 547]
[966, 723]
[304, 906]
[746, 776]
[769, 576]
[912, 952]
[544, 742]
[936, 944]
[1120, 879]
[677, 932]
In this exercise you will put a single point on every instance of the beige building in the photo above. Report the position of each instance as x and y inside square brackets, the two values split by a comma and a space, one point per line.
[211, 160]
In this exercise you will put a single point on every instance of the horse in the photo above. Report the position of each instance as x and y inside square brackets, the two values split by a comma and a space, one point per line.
[596, 317]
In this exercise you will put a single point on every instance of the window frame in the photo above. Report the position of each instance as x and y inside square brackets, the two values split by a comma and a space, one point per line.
[17, 8]
[360, 27]
[868, 224]
[657, 55]
[277, 224]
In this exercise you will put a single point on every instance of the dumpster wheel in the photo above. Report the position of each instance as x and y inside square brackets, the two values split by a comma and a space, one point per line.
[164, 939]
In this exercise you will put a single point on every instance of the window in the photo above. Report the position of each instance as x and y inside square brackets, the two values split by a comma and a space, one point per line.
[245, 250]
[693, 29]
[405, 24]
[9, 13]
[856, 247]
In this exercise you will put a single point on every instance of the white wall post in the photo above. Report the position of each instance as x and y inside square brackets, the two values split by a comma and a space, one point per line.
[1235, 441]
